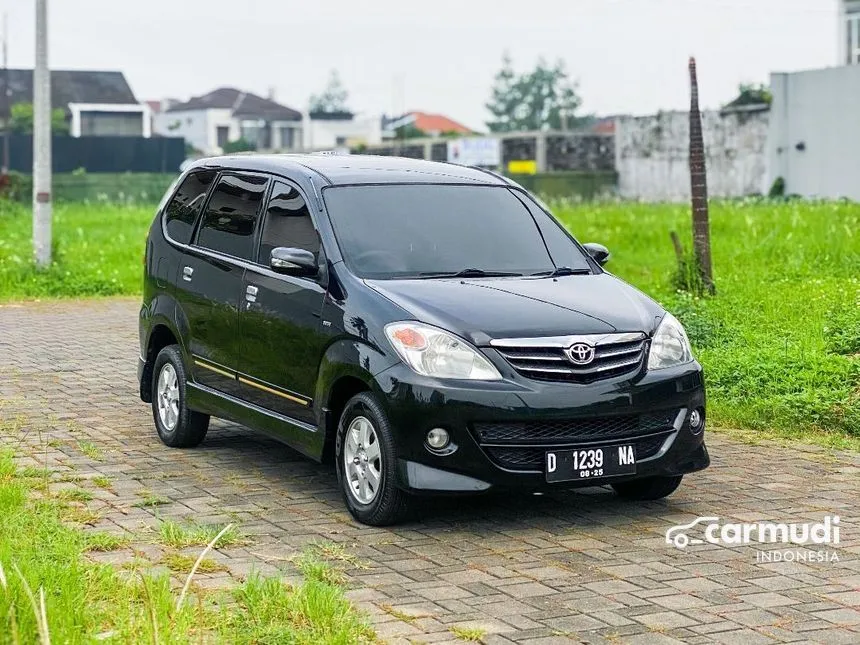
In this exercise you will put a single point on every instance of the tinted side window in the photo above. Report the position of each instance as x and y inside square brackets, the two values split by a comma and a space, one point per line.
[186, 203]
[288, 223]
[231, 216]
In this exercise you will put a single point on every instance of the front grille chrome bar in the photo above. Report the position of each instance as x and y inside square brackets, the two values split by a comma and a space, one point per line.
[547, 359]
[563, 342]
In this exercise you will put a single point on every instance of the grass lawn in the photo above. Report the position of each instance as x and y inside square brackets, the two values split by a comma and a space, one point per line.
[51, 592]
[779, 342]
[98, 251]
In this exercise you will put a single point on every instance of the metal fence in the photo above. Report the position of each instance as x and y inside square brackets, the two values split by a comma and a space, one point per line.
[550, 151]
[99, 187]
[102, 154]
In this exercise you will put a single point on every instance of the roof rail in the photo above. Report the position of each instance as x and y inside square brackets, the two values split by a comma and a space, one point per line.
[494, 174]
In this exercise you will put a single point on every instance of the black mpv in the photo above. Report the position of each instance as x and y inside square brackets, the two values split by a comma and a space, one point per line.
[429, 327]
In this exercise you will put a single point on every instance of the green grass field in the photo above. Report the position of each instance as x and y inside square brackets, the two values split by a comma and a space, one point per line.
[779, 342]
[44, 550]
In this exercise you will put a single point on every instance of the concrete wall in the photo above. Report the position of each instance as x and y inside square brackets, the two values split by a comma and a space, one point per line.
[652, 155]
[191, 124]
[324, 133]
[814, 138]
[199, 127]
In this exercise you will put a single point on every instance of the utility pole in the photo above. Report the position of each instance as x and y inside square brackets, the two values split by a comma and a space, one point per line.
[7, 114]
[42, 141]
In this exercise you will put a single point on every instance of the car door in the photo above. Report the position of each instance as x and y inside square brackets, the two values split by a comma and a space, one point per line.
[210, 277]
[279, 322]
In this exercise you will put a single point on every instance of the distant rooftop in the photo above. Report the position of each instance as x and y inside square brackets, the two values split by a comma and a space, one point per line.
[72, 86]
[426, 122]
[243, 104]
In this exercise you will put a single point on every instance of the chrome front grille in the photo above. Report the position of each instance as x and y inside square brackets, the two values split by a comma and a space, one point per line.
[549, 359]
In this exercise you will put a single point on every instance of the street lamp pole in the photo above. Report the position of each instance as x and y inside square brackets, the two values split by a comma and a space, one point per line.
[42, 141]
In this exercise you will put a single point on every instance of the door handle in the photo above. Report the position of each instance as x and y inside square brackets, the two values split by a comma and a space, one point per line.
[251, 293]
[187, 272]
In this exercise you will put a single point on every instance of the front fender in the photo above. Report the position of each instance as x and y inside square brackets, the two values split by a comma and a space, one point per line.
[348, 366]
[349, 358]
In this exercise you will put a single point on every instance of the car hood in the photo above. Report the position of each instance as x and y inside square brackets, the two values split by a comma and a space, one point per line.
[486, 308]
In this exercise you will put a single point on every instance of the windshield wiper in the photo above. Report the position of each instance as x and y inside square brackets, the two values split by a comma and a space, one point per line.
[469, 273]
[562, 271]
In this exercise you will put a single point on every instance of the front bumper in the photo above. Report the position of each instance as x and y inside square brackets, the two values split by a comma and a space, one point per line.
[474, 463]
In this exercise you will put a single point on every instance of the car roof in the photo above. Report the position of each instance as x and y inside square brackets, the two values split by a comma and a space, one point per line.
[355, 169]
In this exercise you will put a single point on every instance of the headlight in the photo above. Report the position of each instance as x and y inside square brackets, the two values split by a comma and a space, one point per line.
[670, 346]
[433, 352]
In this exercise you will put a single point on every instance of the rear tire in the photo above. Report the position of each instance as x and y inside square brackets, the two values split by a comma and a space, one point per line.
[177, 426]
[649, 488]
[366, 460]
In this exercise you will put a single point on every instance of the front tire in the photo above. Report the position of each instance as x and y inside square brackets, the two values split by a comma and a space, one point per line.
[649, 488]
[177, 426]
[366, 461]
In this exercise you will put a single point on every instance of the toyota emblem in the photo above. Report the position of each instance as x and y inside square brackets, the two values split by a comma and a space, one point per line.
[580, 353]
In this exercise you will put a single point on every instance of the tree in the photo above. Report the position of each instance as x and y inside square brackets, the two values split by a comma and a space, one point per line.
[333, 98]
[749, 94]
[542, 99]
[409, 131]
[21, 119]
[699, 189]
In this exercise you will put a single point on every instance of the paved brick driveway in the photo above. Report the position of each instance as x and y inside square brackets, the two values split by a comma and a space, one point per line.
[582, 566]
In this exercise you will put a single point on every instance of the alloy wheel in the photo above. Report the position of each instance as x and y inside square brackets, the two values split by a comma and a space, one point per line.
[168, 397]
[362, 460]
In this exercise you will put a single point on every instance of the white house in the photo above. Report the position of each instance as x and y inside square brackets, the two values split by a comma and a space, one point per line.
[848, 34]
[210, 121]
[96, 102]
[337, 129]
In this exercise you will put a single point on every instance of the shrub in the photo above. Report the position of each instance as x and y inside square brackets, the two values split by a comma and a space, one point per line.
[704, 328]
[777, 190]
[14, 186]
[240, 145]
[842, 329]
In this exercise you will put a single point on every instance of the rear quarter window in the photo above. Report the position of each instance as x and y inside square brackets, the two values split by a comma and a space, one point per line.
[183, 208]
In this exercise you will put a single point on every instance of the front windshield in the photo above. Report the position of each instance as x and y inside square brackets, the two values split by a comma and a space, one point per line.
[427, 231]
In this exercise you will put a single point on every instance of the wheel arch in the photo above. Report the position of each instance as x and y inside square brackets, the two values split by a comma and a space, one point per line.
[161, 335]
[347, 369]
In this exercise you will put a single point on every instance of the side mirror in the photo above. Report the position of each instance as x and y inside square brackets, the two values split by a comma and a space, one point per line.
[293, 261]
[598, 252]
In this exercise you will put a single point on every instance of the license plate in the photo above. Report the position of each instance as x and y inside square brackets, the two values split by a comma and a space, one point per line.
[590, 463]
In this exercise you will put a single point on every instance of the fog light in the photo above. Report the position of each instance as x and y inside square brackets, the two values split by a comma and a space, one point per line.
[438, 438]
[697, 421]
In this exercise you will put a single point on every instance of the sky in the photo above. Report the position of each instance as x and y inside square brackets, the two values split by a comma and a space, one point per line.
[629, 56]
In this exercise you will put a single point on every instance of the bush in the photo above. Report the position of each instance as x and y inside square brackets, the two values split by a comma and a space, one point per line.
[240, 145]
[686, 277]
[842, 330]
[14, 186]
[704, 328]
[777, 190]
